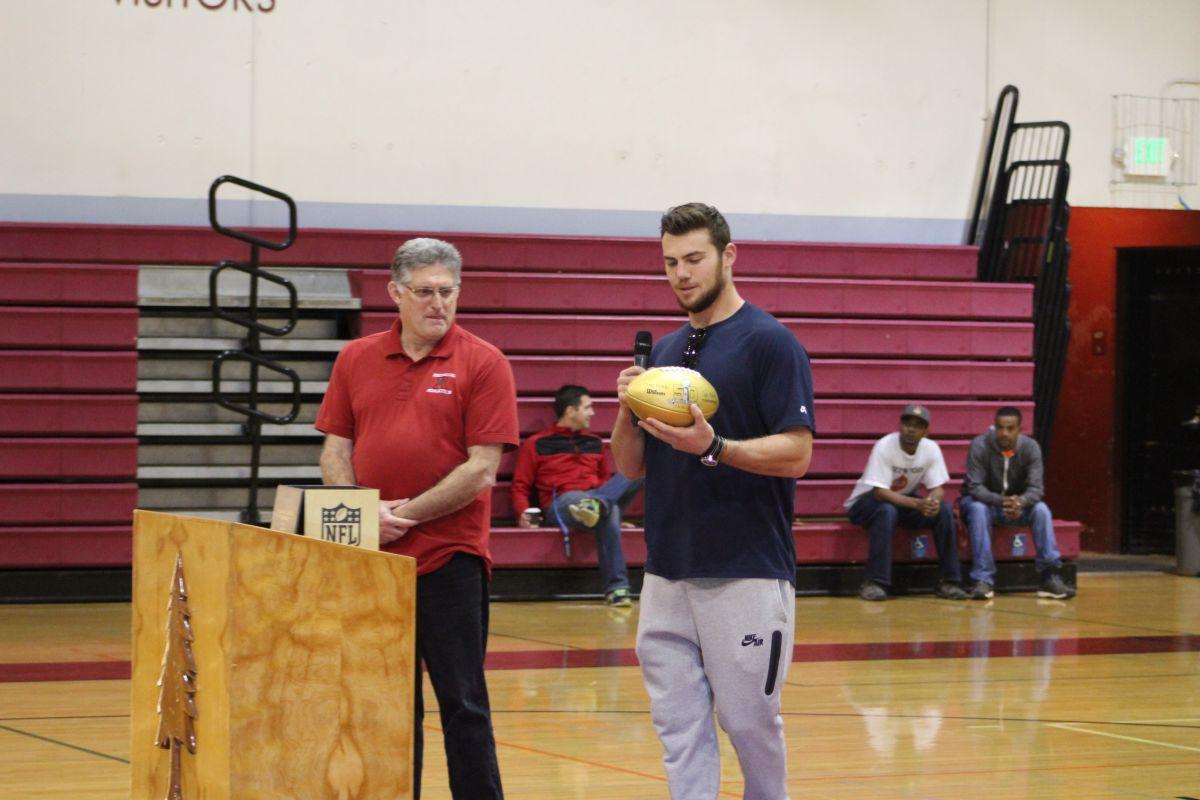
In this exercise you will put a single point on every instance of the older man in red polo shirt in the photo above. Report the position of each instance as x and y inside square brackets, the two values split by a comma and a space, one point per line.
[423, 412]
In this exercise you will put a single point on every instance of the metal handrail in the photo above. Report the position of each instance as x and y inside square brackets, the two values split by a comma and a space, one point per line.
[251, 351]
[1000, 121]
[1023, 238]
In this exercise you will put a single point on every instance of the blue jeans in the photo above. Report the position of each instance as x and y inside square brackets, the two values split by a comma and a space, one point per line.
[980, 517]
[881, 520]
[614, 495]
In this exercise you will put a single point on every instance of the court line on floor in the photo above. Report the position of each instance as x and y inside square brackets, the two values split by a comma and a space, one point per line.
[68, 745]
[513, 636]
[988, 771]
[991, 681]
[801, 653]
[1066, 727]
[57, 718]
[1058, 603]
[585, 761]
[858, 715]
[1144, 723]
[960, 718]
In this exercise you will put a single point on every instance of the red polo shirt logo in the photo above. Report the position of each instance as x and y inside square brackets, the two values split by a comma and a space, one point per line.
[441, 383]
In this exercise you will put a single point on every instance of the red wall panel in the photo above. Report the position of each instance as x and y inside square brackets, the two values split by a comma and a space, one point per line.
[1082, 477]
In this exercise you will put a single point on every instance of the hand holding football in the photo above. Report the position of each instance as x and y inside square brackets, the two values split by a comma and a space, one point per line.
[666, 393]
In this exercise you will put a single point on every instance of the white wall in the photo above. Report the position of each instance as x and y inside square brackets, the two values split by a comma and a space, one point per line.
[819, 119]
[1069, 57]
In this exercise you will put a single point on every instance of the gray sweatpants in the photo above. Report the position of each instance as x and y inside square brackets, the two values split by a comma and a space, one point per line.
[728, 640]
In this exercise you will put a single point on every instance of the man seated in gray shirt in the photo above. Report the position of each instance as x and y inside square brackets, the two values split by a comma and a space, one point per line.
[1004, 486]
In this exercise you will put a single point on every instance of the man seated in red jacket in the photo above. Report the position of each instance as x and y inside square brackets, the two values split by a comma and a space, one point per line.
[563, 470]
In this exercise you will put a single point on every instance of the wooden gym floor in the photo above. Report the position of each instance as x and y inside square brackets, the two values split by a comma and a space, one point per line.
[1098, 697]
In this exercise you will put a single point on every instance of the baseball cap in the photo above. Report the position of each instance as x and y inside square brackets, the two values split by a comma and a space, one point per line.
[916, 410]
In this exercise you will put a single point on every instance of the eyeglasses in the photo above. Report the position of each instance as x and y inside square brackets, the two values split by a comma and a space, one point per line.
[426, 293]
[691, 351]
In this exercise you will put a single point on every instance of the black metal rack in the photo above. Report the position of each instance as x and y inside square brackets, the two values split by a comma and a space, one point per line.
[1020, 224]
[251, 350]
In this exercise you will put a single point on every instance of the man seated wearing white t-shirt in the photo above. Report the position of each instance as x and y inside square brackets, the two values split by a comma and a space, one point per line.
[886, 497]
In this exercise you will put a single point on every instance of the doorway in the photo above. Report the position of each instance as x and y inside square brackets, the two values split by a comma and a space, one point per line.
[1159, 389]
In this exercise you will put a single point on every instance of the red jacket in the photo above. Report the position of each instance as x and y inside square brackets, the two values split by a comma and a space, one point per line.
[557, 460]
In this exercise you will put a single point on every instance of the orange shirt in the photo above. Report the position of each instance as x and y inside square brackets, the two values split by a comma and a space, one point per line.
[412, 422]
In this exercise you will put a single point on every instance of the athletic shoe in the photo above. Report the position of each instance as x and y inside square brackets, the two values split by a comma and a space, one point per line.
[586, 512]
[1055, 588]
[872, 591]
[950, 591]
[618, 598]
[982, 591]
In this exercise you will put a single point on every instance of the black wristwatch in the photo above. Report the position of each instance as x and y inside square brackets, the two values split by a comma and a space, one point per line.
[712, 456]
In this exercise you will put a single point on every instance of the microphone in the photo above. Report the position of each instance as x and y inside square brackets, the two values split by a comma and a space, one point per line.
[643, 343]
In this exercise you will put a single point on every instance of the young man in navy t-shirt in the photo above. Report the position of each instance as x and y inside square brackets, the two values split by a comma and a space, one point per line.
[718, 600]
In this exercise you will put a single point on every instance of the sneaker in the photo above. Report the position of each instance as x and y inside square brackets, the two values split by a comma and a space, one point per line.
[618, 598]
[586, 512]
[1055, 588]
[872, 591]
[950, 591]
[982, 591]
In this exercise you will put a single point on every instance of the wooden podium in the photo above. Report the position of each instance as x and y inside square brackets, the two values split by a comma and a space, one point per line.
[287, 660]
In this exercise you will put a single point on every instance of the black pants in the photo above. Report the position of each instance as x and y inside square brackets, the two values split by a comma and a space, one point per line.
[452, 624]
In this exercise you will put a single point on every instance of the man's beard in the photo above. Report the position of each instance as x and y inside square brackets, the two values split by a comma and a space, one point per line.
[704, 301]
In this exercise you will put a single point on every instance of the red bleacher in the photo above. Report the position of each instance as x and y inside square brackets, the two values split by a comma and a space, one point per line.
[884, 325]
[68, 414]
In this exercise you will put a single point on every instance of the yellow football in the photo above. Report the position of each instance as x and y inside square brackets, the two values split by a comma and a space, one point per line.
[664, 393]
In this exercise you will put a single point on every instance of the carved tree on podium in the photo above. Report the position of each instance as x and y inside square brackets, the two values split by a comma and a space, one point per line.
[177, 683]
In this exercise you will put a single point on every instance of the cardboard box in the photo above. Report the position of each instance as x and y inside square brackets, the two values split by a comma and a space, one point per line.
[342, 514]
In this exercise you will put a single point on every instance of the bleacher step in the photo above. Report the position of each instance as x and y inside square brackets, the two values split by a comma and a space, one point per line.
[268, 344]
[201, 410]
[209, 472]
[173, 324]
[311, 388]
[198, 367]
[184, 287]
[203, 452]
[214, 430]
[176, 499]
[574, 292]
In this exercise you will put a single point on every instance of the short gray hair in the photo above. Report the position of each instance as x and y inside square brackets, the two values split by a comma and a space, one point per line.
[419, 253]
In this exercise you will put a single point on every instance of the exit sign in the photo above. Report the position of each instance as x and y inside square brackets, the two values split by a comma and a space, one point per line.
[1148, 156]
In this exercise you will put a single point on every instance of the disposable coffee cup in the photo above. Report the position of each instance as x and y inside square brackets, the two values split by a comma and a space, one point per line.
[534, 515]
